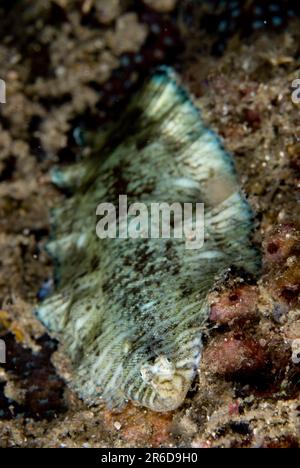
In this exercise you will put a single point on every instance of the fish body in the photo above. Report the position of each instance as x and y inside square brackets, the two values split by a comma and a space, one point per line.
[130, 312]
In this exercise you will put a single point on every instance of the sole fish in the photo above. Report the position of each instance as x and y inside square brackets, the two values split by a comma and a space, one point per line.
[131, 312]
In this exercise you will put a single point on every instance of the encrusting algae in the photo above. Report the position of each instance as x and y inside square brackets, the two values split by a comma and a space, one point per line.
[130, 312]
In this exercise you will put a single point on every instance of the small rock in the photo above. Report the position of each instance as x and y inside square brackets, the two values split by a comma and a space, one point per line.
[280, 244]
[230, 355]
[253, 118]
[128, 36]
[107, 10]
[239, 303]
[296, 351]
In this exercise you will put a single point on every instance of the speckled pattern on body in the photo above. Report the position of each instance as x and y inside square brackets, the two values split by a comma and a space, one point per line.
[131, 312]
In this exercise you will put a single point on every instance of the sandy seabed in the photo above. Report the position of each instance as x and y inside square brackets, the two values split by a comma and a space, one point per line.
[66, 64]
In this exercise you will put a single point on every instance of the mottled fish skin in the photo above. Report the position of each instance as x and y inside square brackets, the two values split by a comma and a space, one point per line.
[131, 312]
